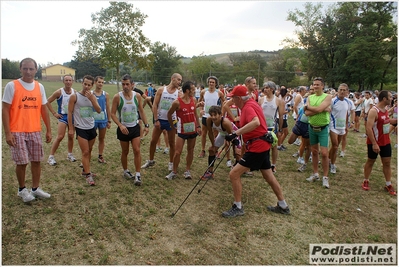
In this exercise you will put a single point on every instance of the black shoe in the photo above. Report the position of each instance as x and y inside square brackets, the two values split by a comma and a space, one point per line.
[234, 211]
[278, 209]
[273, 169]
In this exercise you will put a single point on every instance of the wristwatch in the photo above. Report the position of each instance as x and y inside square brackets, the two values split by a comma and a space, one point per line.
[146, 126]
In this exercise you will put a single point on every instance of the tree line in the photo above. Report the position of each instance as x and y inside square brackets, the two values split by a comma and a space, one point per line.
[351, 42]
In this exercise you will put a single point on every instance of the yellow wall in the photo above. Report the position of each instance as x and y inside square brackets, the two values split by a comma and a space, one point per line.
[57, 70]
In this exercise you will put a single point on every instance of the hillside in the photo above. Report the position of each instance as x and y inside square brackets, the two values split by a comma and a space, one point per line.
[224, 57]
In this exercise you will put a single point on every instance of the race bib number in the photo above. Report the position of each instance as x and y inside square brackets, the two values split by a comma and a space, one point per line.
[129, 116]
[86, 112]
[165, 104]
[340, 123]
[270, 122]
[234, 111]
[64, 109]
[99, 116]
[189, 127]
[385, 128]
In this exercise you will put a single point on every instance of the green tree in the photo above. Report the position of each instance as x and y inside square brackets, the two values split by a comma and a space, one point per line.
[87, 66]
[201, 67]
[10, 69]
[165, 62]
[115, 38]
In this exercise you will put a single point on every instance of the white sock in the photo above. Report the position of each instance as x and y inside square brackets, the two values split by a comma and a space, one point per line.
[138, 174]
[125, 171]
[238, 204]
[69, 154]
[282, 204]
[388, 183]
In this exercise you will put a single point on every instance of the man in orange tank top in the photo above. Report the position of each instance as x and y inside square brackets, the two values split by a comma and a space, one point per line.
[24, 102]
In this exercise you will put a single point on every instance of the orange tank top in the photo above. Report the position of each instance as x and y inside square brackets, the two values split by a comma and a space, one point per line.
[25, 112]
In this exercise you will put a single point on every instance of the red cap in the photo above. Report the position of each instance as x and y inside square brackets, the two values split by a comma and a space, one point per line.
[239, 90]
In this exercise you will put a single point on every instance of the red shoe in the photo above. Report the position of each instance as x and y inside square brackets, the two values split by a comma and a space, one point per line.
[202, 154]
[365, 185]
[390, 190]
[208, 175]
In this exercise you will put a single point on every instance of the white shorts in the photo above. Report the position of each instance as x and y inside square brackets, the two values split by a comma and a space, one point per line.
[338, 131]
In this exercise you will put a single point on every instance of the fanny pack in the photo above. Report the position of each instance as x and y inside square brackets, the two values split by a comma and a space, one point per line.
[268, 137]
[318, 128]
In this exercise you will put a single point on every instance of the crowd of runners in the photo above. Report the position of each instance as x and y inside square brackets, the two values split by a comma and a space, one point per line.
[233, 121]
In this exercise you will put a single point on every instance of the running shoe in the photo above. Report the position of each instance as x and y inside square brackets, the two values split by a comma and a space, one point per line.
[342, 154]
[89, 179]
[137, 180]
[325, 182]
[278, 209]
[148, 163]
[171, 176]
[390, 190]
[302, 168]
[187, 175]
[300, 160]
[39, 193]
[71, 158]
[202, 154]
[101, 159]
[365, 185]
[233, 212]
[333, 168]
[26, 195]
[128, 175]
[313, 178]
[208, 175]
[51, 161]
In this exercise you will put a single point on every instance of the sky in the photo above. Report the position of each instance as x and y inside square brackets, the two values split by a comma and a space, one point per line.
[44, 30]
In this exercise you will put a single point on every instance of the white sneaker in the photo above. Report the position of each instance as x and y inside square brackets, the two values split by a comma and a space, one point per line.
[137, 180]
[300, 160]
[170, 166]
[364, 135]
[333, 168]
[39, 193]
[71, 158]
[166, 151]
[302, 168]
[313, 178]
[128, 175]
[187, 175]
[170, 176]
[26, 195]
[325, 182]
[228, 164]
[342, 154]
[51, 161]
[297, 142]
[148, 163]
[296, 154]
[395, 146]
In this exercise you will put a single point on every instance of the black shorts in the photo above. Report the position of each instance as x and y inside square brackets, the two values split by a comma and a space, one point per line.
[301, 129]
[187, 136]
[276, 124]
[89, 134]
[256, 161]
[134, 132]
[385, 151]
[203, 120]
[357, 113]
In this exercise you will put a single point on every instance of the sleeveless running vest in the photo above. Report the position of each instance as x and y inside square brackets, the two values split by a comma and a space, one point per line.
[210, 99]
[269, 111]
[186, 117]
[63, 101]
[322, 118]
[128, 110]
[165, 103]
[25, 109]
[83, 113]
[102, 116]
[381, 128]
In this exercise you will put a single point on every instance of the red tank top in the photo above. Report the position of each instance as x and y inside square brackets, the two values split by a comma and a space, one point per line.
[381, 128]
[186, 118]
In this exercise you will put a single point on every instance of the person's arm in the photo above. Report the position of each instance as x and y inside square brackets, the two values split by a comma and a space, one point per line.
[226, 109]
[297, 100]
[280, 110]
[46, 120]
[227, 125]
[210, 131]
[71, 106]
[143, 116]
[175, 106]
[201, 99]
[371, 118]
[114, 107]
[221, 96]
[323, 105]
[107, 109]
[157, 99]
[93, 100]
[6, 124]
[54, 96]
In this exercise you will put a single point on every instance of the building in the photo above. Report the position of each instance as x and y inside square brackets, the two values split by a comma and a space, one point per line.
[56, 72]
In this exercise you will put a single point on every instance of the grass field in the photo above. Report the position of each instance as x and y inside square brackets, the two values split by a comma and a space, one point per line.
[117, 223]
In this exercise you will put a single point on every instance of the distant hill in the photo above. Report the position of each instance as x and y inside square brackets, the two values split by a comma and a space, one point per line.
[224, 57]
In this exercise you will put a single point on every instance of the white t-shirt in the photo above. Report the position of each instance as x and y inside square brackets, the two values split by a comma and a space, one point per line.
[9, 91]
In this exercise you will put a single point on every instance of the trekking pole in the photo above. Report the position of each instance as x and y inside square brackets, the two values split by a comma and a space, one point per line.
[228, 149]
[199, 180]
